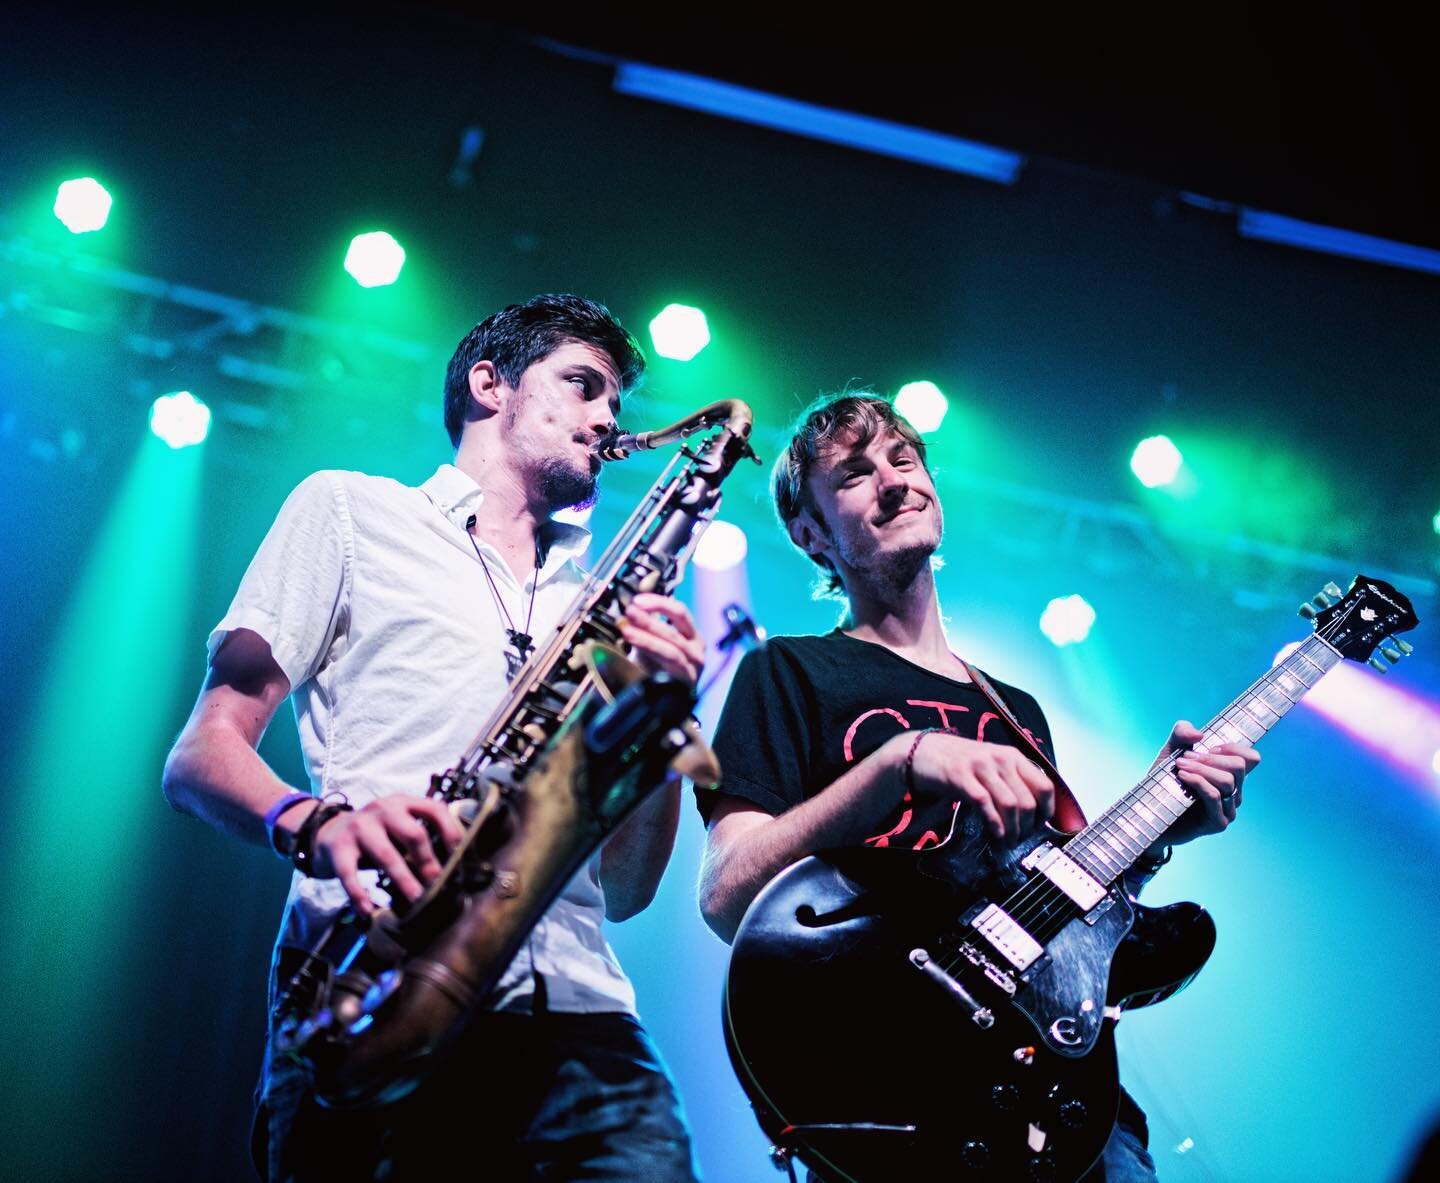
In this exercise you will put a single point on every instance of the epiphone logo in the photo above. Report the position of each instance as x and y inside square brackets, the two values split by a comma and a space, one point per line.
[1373, 590]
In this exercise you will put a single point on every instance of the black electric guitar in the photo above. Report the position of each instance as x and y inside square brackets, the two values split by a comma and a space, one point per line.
[950, 1014]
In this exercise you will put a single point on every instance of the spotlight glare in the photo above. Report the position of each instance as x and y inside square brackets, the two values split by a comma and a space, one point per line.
[1067, 620]
[923, 404]
[721, 547]
[374, 259]
[83, 204]
[679, 332]
[1156, 461]
[1435, 521]
[574, 516]
[180, 419]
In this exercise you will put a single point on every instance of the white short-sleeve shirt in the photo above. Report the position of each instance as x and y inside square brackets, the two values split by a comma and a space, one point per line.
[374, 604]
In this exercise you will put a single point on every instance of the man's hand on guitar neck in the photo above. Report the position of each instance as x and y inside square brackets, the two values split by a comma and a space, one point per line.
[1215, 778]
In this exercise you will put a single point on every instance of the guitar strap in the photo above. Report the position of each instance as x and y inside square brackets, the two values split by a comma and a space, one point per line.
[1068, 814]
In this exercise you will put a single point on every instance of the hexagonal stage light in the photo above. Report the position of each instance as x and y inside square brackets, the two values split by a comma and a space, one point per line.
[83, 204]
[722, 546]
[1156, 461]
[679, 332]
[374, 259]
[180, 419]
[1067, 620]
[923, 403]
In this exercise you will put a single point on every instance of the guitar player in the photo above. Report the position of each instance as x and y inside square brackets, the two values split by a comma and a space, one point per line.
[875, 733]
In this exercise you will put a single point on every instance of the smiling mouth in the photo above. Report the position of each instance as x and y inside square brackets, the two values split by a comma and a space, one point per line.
[899, 513]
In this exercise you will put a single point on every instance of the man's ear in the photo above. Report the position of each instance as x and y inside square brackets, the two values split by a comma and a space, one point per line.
[485, 386]
[805, 532]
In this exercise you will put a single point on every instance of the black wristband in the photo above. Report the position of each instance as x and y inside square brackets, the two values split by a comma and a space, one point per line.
[302, 853]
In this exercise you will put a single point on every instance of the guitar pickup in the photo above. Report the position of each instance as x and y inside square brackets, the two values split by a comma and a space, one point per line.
[1007, 937]
[1082, 889]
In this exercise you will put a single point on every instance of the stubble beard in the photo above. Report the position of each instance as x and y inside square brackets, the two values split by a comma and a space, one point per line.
[563, 486]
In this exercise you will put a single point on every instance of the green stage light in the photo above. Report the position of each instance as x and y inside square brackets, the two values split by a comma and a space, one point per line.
[180, 419]
[1067, 620]
[923, 404]
[83, 204]
[679, 332]
[1435, 521]
[374, 259]
[1156, 461]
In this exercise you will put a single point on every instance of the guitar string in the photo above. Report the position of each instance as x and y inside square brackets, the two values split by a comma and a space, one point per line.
[1036, 899]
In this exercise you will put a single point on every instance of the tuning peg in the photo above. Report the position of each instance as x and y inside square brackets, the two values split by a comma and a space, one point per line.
[1321, 600]
[1404, 646]
[1377, 665]
[1307, 610]
[1390, 653]
[1332, 590]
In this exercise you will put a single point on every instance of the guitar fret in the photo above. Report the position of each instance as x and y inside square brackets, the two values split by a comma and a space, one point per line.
[1120, 846]
[1146, 814]
[1276, 699]
[1097, 862]
[1320, 670]
[1249, 727]
[1289, 685]
[1175, 797]
[1132, 831]
[1259, 709]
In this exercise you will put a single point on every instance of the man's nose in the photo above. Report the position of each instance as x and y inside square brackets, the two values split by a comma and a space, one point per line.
[893, 482]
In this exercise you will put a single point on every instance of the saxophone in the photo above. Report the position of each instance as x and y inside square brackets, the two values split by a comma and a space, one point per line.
[579, 740]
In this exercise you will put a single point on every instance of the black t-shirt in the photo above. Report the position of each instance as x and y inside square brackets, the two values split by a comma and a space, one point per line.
[803, 709]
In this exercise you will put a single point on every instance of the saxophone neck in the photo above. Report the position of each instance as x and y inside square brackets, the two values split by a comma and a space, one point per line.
[735, 415]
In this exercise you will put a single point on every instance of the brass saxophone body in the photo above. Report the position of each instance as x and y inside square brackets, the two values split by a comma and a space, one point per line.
[580, 739]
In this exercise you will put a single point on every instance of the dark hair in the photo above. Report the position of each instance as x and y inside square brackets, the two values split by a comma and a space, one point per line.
[515, 338]
[854, 418]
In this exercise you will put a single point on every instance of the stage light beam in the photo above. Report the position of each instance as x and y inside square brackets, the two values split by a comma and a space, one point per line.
[721, 547]
[1156, 461]
[1067, 620]
[180, 419]
[679, 332]
[923, 403]
[374, 259]
[83, 204]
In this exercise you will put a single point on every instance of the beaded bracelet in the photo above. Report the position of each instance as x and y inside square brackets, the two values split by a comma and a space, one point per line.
[302, 854]
[272, 815]
[909, 775]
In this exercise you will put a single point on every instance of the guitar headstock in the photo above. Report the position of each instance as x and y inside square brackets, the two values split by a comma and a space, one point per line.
[1358, 621]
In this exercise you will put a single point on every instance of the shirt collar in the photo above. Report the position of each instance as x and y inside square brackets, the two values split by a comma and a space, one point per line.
[457, 496]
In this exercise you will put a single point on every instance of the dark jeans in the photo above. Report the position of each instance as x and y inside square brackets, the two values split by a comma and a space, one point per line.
[545, 1097]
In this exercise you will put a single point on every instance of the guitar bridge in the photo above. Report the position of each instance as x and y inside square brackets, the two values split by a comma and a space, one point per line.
[982, 1016]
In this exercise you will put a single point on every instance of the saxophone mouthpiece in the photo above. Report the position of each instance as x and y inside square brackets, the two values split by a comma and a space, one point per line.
[620, 444]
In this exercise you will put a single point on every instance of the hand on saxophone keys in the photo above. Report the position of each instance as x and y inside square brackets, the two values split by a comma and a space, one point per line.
[662, 637]
[392, 835]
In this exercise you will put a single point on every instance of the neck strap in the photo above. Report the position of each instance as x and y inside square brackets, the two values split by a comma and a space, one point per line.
[1068, 814]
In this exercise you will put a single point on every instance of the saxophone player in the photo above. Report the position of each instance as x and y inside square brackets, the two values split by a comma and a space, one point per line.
[393, 617]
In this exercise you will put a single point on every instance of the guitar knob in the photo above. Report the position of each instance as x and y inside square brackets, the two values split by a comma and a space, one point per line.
[1074, 1114]
[1404, 646]
[1042, 1169]
[975, 1155]
[1307, 610]
[1332, 589]
[1005, 1096]
[1378, 666]
[1390, 653]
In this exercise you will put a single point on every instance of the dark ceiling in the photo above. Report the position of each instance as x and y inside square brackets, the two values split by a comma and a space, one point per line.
[1327, 115]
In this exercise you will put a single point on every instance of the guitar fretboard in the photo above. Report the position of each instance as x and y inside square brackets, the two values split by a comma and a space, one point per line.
[1110, 844]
